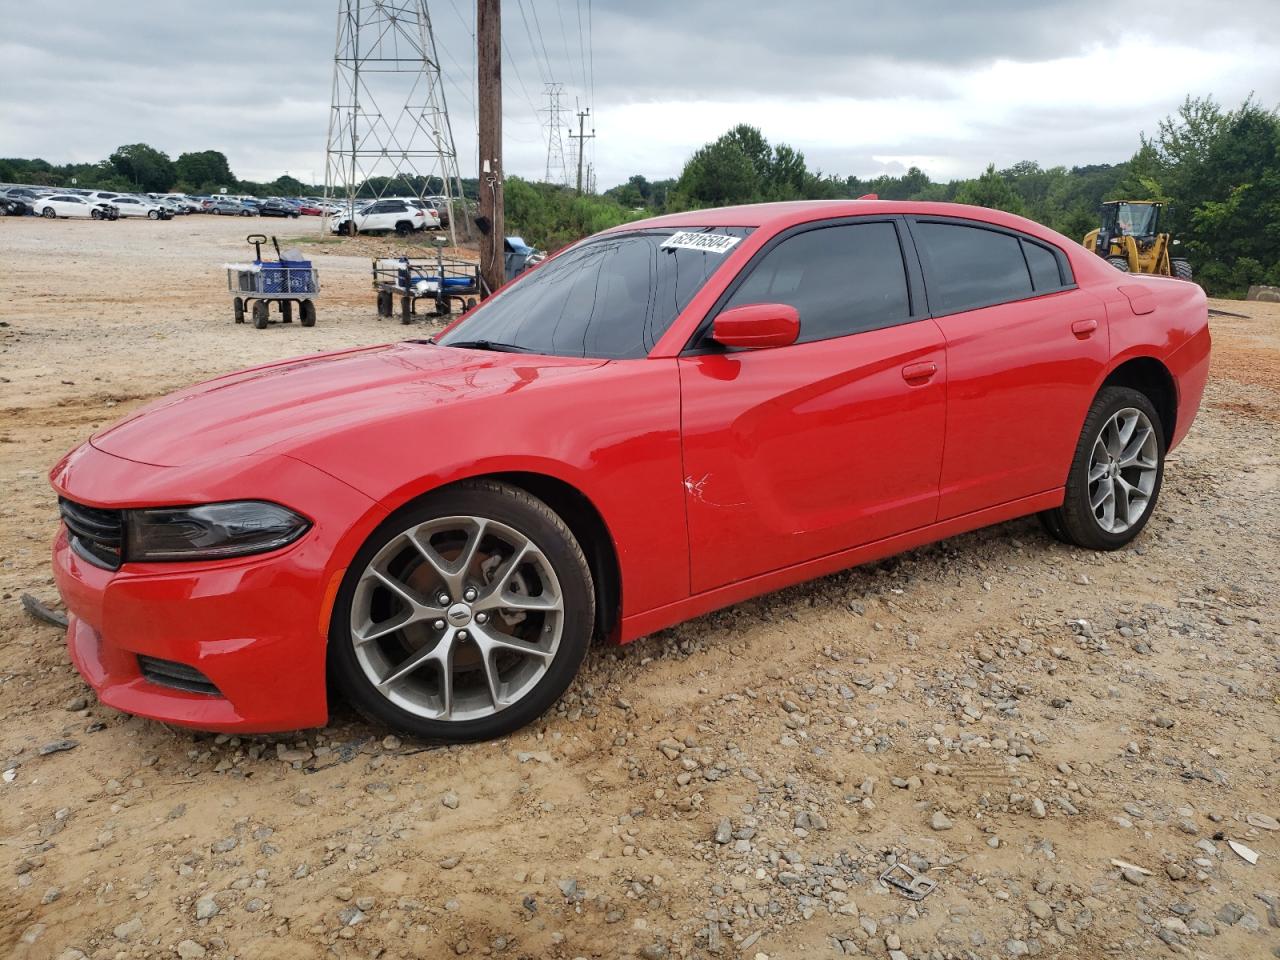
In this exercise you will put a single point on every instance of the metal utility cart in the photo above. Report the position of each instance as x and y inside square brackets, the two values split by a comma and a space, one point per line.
[439, 279]
[255, 286]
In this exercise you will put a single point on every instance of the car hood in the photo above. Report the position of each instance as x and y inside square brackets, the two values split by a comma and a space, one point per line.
[278, 405]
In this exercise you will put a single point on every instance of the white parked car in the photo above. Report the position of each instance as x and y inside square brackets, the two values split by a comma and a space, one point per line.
[386, 215]
[140, 207]
[70, 205]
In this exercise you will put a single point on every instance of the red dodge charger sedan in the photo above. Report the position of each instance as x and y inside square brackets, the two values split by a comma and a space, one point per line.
[663, 419]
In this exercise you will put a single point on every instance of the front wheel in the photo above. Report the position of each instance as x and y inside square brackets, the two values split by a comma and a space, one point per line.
[308, 313]
[261, 314]
[463, 617]
[1181, 269]
[1115, 476]
[95, 214]
[153, 214]
[1120, 263]
[50, 213]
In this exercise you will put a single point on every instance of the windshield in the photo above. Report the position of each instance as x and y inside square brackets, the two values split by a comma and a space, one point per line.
[611, 297]
[1136, 220]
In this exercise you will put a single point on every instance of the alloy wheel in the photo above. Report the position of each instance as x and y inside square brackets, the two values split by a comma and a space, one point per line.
[1123, 468]
[457, 618]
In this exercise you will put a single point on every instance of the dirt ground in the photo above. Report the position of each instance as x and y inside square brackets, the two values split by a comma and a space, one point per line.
[1005, 713]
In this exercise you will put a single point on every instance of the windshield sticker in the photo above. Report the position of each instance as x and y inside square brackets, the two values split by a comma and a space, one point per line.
[706, 242]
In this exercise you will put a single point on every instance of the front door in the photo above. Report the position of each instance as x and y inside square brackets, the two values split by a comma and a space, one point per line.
[798, 452]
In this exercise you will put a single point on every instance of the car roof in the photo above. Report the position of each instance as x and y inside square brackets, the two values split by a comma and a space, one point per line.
[780, 215]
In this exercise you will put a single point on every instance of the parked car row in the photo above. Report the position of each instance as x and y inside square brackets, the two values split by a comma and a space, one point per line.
[401, 215]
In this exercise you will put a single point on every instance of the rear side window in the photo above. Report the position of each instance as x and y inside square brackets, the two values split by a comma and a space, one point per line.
[969, 267]
[841, 279]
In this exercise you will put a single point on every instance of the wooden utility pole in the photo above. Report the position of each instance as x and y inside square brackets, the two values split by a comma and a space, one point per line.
[582, 139]
[489, 82]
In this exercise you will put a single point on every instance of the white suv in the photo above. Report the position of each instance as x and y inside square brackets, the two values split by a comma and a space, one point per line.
[386, 215]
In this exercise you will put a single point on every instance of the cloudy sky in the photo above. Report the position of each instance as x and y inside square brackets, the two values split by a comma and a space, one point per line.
[859, 87]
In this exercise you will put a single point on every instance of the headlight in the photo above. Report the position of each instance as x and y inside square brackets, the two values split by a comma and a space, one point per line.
[213, 531]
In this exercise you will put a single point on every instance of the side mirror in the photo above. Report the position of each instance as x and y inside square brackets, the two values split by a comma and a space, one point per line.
[757, 326]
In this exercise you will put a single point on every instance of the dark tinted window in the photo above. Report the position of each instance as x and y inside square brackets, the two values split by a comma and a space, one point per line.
[611, 296]
[968, 267]
[841, 279]
[1045, 275]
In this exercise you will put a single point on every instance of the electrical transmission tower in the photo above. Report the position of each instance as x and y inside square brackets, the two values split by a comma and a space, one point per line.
[557, 167]
[389, 128]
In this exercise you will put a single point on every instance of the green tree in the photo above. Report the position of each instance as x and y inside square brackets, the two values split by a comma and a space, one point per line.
[147, 168]
[204, 171]
[991, 190]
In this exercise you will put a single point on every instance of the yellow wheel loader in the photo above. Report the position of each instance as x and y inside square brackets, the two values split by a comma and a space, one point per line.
[1130, 239]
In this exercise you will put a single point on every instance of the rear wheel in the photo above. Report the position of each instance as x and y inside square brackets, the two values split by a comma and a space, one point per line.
[1120, 263]
[1116, 473]
[384, 303]
[404, 228]
[261, 314]
[1181, 269]
[307, 309]
[463, 617]
[237, 307]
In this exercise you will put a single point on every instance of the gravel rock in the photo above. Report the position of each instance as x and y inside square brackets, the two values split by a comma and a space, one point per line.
[940, 821]
[206, 907]
[190, 950]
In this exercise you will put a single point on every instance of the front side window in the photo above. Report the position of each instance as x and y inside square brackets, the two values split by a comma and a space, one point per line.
[969, 267]
[842, 279]
[610, 297]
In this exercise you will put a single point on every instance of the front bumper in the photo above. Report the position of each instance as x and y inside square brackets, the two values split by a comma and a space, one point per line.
[256, 627]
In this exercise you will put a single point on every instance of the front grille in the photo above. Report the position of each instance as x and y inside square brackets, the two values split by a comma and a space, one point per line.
[170, 673]
[96, 535]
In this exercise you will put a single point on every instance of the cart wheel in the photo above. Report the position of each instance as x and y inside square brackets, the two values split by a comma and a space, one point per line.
[470, 305]
[286, 311]
[442, 307]
[308, 311]
[384, 303]
[261, 311]
[238, 305]
[406, 310]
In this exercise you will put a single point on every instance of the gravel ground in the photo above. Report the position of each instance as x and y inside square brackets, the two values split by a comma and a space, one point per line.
[1065, 742]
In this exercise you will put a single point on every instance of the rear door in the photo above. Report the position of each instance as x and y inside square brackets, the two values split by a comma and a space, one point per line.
[1025, 347]
[797, 452]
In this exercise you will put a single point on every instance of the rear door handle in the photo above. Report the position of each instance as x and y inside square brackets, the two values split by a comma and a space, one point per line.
[1084, 328]
[917, 373]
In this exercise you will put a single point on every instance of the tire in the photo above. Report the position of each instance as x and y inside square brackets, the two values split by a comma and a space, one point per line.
[384, 303]
[49, 213]
[95, 214]
[153, 214]
[540, 652]
[307, 310]
[237, 308]
[406, 310]
[1181, 269]
[261, 314]
[1120, 263]
[404, 228]
[1077, 521]
[286, 311]
[245, 213]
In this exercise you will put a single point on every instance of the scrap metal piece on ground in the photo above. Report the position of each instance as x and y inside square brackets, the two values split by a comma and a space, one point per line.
[41, 612]
[907, 882]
